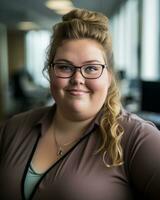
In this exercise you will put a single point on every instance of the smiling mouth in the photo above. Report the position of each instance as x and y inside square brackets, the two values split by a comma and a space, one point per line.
[77, 92]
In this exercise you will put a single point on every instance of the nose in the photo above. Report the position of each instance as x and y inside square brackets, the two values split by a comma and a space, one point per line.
[77, 77]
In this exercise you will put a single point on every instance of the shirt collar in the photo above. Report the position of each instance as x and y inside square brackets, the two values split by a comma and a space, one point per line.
[47, 119]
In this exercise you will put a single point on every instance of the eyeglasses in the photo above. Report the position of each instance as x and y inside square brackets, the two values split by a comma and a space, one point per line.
[89, 71]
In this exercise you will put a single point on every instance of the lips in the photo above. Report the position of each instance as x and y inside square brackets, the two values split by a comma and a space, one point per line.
[77, 92]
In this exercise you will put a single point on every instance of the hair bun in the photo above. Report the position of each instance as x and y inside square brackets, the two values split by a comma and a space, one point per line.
[90, 17]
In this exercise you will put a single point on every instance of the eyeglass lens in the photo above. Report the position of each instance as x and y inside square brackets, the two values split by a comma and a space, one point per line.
[88, 71]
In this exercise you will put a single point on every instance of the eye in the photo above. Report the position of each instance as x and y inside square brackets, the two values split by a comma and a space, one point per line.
[63, 67]
[92, 68]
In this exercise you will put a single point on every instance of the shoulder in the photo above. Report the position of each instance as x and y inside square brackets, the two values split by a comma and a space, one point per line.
[31, 116]
[132, 123]
[140, 137]
[141, 146]
[19, 126]
[24, 120]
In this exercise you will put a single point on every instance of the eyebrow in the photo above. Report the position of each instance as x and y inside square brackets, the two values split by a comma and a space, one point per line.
[68, 61]
[63, 60]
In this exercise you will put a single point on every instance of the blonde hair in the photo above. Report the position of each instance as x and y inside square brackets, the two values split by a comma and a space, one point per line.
[79, 24]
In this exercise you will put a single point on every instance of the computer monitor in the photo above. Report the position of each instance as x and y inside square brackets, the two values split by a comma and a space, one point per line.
[150, 96]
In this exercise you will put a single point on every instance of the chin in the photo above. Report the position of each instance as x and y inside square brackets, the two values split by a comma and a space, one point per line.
[76, 109]
[79, 116]
[80, 113]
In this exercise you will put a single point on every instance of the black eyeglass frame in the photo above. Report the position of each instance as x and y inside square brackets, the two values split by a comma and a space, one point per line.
[80, 69]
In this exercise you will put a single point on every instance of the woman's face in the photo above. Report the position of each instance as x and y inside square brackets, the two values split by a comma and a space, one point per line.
[78, 98]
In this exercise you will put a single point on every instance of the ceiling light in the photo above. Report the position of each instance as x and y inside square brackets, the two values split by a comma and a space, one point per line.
[27, 25]
[63, 11]
[59, 4]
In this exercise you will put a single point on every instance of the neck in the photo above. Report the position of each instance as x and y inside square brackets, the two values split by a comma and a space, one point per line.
[67, 127]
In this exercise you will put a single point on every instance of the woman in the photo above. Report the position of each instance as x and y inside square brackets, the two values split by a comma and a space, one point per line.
[85, 146]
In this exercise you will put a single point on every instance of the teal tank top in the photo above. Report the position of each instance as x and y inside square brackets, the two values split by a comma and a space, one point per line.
[32, 178]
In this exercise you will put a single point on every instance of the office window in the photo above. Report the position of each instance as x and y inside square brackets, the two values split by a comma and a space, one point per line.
[36, 46]
[150, 40]
[124, 26]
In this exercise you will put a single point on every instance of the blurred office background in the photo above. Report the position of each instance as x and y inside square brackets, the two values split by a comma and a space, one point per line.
[25, 29]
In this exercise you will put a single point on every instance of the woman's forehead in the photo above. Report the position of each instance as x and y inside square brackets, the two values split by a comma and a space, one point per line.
[80, 50]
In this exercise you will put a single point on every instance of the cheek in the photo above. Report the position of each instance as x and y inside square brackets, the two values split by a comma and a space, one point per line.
[59, 82]
[95, 86]
[99, 86]
[56, 85]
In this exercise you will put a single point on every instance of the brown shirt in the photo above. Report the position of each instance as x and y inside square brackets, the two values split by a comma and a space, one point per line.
[80, 174]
